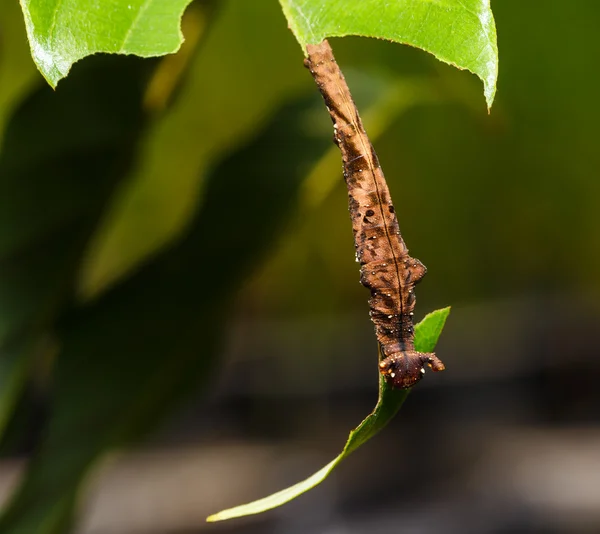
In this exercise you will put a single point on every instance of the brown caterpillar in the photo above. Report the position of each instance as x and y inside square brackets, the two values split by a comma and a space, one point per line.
[386, 268]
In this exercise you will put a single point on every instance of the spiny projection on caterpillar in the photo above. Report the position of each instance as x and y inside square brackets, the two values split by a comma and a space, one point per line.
[386, 268]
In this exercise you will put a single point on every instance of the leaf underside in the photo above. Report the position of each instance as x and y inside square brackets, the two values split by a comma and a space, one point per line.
[459, 32]
[389, 402]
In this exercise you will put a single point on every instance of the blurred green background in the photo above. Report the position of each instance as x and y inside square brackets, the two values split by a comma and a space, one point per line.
[177, 273]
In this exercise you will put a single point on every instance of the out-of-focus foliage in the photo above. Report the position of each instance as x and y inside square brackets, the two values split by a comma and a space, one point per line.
[495, 206]
[53, 189]
[64, 154]
[17, 73]
[226, 79]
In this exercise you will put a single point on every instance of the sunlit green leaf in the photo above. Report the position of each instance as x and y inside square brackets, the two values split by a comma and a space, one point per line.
[62, 32]
[390, 400]
[459, 32]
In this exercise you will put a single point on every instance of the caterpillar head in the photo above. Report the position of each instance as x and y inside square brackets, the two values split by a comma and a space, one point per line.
[404, 369]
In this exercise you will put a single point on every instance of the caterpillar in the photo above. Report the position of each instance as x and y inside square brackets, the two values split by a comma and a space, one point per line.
[386, 269]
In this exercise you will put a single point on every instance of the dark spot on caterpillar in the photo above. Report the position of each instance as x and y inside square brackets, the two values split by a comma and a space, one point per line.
[374, 156]
[392, 210]
[369, 213]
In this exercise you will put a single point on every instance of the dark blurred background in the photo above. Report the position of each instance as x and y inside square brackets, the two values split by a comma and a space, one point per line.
[181, 324]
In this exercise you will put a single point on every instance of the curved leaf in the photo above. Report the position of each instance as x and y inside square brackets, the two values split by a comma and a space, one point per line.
[390, 400]
[459, 32]
[62, 32]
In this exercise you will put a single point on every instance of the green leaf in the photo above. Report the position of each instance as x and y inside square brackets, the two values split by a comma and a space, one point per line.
[459, 32]
[428, 331]
[62, 32]
[390, 400]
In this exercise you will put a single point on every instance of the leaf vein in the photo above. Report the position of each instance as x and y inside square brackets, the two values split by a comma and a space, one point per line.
[53, 22]
[143, 8]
